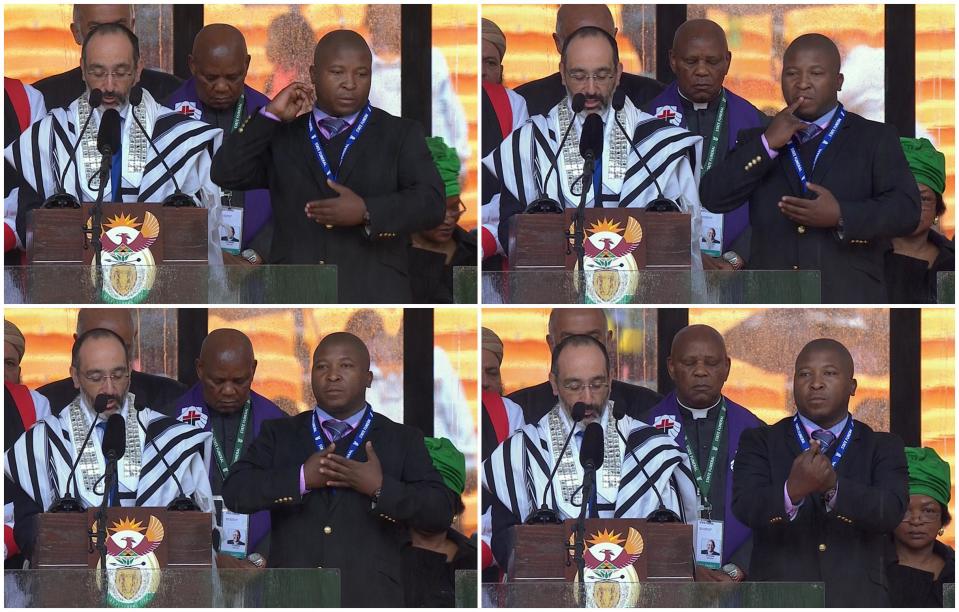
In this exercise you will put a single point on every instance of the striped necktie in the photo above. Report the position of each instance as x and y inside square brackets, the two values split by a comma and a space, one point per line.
[337, 429]
[333, 126]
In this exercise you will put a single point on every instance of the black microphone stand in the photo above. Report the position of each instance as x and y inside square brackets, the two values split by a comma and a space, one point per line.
[579, 536]
[109, 480]
[96, 216]
[579, 224]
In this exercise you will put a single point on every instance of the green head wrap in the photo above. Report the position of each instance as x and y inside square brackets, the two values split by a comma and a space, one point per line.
[449, 462]
[926, 163]
[447, 161]
[928, 474]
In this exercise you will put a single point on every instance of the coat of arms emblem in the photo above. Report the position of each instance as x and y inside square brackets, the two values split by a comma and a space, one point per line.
[128, 266]
[133, 571]
[611, 580]
[610, 262]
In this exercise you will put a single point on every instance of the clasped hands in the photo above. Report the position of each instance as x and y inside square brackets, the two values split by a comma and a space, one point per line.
[345, 210]
[811, 473]
[327, 469]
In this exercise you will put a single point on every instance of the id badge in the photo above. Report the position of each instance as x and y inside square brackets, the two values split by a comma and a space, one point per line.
[711, 241]
[231, 229]
[236, 532]
[709, 543]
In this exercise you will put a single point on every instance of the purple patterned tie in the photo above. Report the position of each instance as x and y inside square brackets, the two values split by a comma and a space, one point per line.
[826, 438]
[337, 429]
[333, 126]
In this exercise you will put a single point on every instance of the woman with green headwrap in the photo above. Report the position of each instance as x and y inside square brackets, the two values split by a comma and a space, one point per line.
[435, 252]
[916, 259]
[924, 563]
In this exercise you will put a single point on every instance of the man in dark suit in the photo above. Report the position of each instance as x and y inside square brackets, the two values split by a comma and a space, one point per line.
[538, 400]
[366, 182]
[342, 482]
[858, 191]
[543, 94]
[60, 90]
[157, 392]
[821, 491]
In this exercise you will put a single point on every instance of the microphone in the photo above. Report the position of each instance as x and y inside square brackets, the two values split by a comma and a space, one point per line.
[662, 203]
[114, 438]
[591, 452]
[177, 198]
[68, 503]
[545, 204]
[661, 514]
[545, 514]
[62, 199]
[591, 140]
[182, 503]
[108, 141]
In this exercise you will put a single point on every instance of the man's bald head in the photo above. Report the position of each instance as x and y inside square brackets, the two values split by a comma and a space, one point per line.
[226, 345]
[226, 367]
[695, 333]
[571, 17]
[827, 345]
[348, 341]
[342, 73]
[566, 322]
[699, 366]
[219, 63]
[117, 320]
[816, 42]
[696, 29]
[86, 17]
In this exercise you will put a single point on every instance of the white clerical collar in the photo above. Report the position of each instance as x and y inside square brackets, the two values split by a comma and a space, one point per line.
[696, 105]
[699, 413]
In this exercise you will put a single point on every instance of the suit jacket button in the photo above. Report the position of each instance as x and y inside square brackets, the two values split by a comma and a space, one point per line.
[801, 229]
[327, 530]
[822, 548]
[795, 267]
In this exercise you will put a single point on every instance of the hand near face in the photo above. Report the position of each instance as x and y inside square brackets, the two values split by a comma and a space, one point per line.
[824, 211]
[363, 477]
[784, 125]
[294, 100]
[345, 210]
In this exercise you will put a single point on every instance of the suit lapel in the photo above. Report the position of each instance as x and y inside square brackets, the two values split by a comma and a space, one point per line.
[358, 150]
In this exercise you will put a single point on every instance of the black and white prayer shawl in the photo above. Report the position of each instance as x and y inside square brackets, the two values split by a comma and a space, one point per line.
[518, 471]
[40, 461]
[669, 152]
[42, 152]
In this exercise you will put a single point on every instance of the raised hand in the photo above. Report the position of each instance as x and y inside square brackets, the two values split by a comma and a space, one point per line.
[292, 101]
[784, 125]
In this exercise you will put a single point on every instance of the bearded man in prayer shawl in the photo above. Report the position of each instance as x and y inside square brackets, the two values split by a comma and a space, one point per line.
[110, 61]
[590, 66]
[40, 460]
[517, 473]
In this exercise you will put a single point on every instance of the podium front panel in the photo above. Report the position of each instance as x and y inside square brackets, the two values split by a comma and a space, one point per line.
[171, 284]
[464, 588]
[946, 288]
[464, 285]
[536, 594]
[175, 588]
[558, 286]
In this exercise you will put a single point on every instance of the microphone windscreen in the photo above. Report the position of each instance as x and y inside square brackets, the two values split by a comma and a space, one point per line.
[136, 95]
[100, 402]
[108, 138]
[619, 99]
[619, 411]
[96, 98]
[114, 438]
[579, 411]
[591, 452]
[579, 103]
[591, 140]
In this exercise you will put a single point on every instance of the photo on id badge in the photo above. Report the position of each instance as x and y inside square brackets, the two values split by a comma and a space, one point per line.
[231, 229]
[234, 529]
[711, 239]
[709, 543]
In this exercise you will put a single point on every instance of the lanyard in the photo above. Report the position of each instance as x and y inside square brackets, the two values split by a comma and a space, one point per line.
[717, 131]
[318, 148]
[227, 194]
[826, 140]
[320, 440]
[237, 448]
[846, 436]
[701, 481]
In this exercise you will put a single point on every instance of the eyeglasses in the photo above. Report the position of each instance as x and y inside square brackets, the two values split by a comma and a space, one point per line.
[118, 75]
[581, 76]
[596, 386]
[925, 515]
[96, 376]
[456, 214]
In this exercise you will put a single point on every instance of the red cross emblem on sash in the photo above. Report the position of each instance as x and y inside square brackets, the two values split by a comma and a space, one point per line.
[192, 415]
[666, 424]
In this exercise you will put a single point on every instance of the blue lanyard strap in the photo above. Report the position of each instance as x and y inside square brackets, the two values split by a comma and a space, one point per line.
[320, 440]
[314, 133]
[826, 140]
[845, 437]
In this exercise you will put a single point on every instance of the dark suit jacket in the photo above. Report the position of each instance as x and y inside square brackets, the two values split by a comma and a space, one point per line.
[60, 90]
[539, 400]
[543, 94]
[388, 166]
[844, 547]
[364, 543]
[865, 169]
[155, 392]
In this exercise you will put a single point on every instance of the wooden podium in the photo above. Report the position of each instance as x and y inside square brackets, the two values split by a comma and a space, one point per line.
[63, 541]
[665, 550]
[56, 235]
[540, 241]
